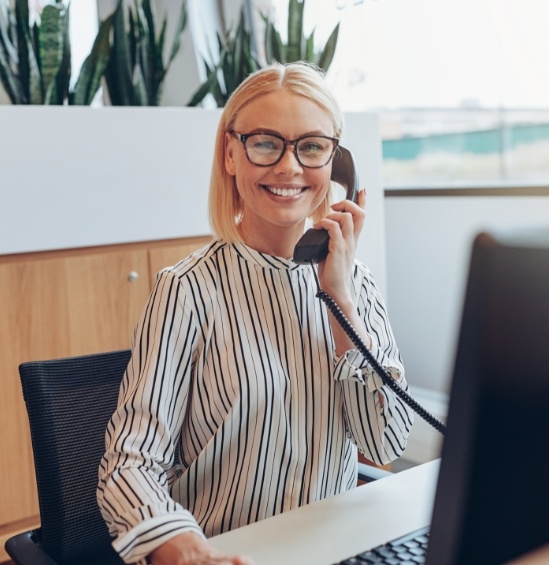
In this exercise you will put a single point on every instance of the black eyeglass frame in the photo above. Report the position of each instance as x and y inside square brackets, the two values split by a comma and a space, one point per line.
[243, 137]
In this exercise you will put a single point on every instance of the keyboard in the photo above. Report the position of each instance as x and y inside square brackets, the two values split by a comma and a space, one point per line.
[409, 549]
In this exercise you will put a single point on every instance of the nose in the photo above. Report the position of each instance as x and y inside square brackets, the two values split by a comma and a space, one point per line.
[289, 163]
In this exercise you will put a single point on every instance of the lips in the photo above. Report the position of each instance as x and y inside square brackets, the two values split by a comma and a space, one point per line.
[279, 191]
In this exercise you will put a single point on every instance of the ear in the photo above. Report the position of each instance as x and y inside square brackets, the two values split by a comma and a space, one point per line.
[229, 155]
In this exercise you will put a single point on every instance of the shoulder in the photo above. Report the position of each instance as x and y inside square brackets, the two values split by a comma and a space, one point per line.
[196, 265]
[193, 281]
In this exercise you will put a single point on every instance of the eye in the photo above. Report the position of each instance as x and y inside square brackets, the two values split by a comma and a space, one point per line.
[314, 146]
[264, 143]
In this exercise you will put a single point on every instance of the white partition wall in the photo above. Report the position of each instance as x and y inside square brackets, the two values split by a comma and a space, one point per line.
[75, 176]
[429, 243]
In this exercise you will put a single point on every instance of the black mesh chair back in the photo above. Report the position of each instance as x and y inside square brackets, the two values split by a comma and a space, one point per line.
[69, 403]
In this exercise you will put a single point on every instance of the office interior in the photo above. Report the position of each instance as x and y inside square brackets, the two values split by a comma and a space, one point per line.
[422, 237]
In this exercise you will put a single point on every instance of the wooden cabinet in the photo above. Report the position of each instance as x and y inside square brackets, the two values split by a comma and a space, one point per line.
[57, 304]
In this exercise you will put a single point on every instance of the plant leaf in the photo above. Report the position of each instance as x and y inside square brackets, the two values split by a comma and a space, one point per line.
[147, 10]
[36, 94]
[63, 79]
[238, 46]
[159, 69]
[279, 49]
[204, 89]
[94, 66]
[327, 55]
[268, 40]
[50, 46]
[145, 54]
[274, 48]
[295, 30]
[119, 69]
[140, 92]
[299, 47]
[309, 54]
[23, 39]
[9, 80]
[9, 59]
[181, 25]
[6, 32]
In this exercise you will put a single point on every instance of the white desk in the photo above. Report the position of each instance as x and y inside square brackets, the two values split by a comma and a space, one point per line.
[333, 529]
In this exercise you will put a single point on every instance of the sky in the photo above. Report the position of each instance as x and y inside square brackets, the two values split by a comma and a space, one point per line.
[436, 53]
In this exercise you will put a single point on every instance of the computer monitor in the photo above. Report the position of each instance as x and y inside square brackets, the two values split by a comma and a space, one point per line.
[495, 456]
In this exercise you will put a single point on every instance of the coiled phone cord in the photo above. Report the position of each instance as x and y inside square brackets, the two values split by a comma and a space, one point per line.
[385, 376]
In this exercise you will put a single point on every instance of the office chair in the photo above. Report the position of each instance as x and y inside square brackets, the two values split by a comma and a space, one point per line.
[69, 403]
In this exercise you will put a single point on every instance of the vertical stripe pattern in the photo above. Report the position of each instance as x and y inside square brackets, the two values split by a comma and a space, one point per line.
[234, 408]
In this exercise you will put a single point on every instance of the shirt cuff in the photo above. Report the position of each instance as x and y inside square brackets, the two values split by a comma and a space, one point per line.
[140, 541]
[353, 366]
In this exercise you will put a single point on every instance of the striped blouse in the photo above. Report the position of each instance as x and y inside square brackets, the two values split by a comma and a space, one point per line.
[234, 406]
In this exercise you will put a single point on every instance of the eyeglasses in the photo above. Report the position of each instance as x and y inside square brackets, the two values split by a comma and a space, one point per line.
[266, 149]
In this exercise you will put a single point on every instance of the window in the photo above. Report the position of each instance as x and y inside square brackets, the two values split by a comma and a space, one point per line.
[462, 86]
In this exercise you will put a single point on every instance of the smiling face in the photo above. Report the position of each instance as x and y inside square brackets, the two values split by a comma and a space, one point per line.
[277, 199]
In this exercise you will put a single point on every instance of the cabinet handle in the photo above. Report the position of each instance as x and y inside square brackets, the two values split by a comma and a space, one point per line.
[133, 276]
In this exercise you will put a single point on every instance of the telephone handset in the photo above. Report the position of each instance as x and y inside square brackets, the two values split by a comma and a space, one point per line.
[313, 245]
[313, 248]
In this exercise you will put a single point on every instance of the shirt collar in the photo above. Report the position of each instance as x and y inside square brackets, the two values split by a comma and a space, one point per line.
[263, 260]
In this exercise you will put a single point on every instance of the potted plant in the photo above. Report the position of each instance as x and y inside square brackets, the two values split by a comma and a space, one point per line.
[137, 67]
[298, 47]
[237, 56]
[35, 60]
[236, 61]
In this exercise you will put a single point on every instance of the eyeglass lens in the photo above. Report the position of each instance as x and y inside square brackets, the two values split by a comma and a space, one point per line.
[266, 149]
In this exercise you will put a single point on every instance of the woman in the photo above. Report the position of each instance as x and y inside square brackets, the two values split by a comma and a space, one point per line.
[244, 398]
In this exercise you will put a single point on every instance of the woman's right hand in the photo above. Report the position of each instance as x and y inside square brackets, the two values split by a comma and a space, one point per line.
[190, 549]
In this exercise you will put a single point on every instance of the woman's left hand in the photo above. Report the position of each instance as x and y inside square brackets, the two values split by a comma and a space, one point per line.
[344, 226]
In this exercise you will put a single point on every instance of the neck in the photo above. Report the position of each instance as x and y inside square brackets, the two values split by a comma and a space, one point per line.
[278, 245]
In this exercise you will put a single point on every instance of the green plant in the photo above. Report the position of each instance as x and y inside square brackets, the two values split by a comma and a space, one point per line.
[236, 62]
[136, 70]
[237, 58]
[35, 60]
[93, 67]
[299, 47]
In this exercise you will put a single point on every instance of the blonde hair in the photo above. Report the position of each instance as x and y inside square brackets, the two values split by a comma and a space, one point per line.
[304, 79]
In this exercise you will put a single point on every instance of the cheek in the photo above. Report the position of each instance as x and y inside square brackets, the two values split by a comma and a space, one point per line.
[246, 176]
[322, 181]
[323, 191]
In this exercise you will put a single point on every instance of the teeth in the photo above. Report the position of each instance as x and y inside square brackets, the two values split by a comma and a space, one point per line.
[285, 191]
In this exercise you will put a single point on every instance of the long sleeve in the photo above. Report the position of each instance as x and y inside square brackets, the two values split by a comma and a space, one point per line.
[139, 462]
[377, 419]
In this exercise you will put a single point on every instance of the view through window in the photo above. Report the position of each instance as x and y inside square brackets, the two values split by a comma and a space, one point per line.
[462, 86]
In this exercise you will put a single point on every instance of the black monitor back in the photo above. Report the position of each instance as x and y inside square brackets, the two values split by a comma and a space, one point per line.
[492, 501]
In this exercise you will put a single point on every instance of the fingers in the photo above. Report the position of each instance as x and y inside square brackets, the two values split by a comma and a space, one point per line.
[348, 223]
[346, 210]
[338, 224]
[361, 199]
[350, 205]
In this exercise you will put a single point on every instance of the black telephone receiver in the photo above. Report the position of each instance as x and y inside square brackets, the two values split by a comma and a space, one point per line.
[313, 248]
[313, 245]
